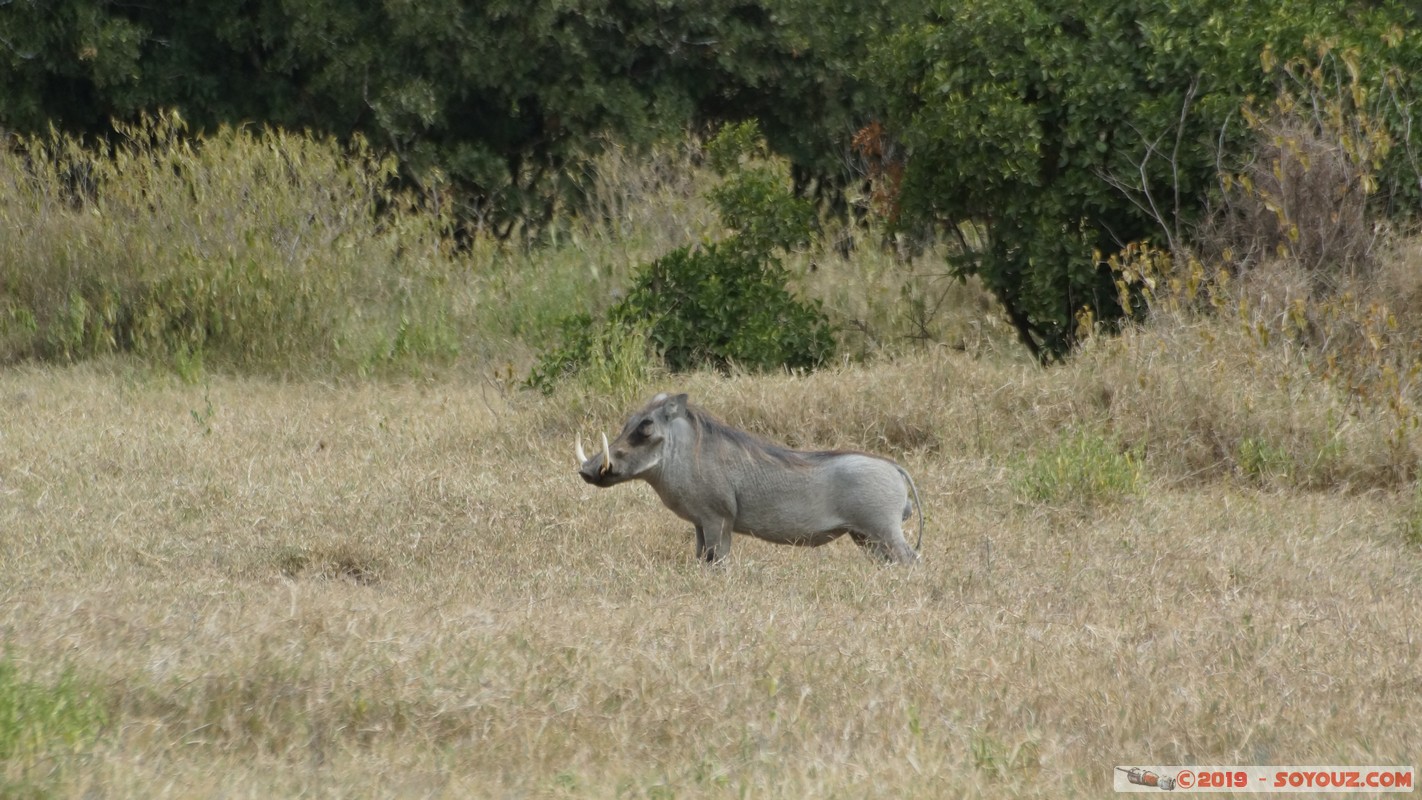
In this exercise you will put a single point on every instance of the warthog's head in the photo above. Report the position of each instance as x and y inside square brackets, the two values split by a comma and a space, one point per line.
[638, 449]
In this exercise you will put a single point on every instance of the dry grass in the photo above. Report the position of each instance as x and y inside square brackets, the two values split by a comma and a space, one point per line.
[372, 590]
[250, 587]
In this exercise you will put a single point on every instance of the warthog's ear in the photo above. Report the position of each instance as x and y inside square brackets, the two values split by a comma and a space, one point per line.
[675, 407]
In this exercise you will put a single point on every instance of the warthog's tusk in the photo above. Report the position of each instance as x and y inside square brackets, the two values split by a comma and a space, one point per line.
[606, 455]
[581, 455]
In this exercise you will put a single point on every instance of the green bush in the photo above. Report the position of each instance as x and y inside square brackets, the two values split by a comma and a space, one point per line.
[1080, 468]
[754, 200]
[720, 305]
[1044, 135]
[609, 360]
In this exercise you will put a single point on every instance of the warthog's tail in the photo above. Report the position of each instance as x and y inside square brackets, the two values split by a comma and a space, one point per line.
[916, 503]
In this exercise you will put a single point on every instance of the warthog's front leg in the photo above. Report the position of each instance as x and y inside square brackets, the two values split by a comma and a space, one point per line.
[713, 540]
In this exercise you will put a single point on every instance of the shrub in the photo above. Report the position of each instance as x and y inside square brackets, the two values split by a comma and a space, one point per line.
[1045, 134]
[754, 201]
[718, 305]
[1080, 468]
[1256, 377]
[1303, 192]
[614, 361]
[721, 306]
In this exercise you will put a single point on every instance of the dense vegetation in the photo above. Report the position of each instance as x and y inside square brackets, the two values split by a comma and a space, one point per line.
[502, 103]
[718, 305]
[1051, 134]
[1035, 139]
[231, 566]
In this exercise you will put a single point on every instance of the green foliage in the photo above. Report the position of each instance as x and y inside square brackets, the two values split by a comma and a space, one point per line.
[490, 98]
[252, 249]
[613, 361]
[39, 721]
[504, 103]
[718, 305]
[1080, 468]
[754, 201]
[1412, 520]
[1050, 133]
[715, 306]
[734, 147]
[1263, 462]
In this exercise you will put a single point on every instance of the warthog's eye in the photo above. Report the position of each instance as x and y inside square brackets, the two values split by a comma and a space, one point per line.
[643, 431]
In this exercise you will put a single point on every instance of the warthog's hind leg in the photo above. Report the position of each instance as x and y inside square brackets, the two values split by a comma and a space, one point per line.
[890, 549]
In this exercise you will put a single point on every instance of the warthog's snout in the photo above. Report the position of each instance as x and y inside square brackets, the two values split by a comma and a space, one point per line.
[598, 469]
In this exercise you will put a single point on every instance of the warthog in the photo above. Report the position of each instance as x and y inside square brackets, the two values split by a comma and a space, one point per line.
[724, 480]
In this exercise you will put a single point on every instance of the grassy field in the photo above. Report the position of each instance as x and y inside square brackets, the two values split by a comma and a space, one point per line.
[275, 519]
[253, 588]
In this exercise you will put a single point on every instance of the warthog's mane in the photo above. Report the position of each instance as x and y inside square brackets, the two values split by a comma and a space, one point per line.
[708, 428]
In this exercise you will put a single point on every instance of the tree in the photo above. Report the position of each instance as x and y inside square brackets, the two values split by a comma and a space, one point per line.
[502, 102]
[1045, 134]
